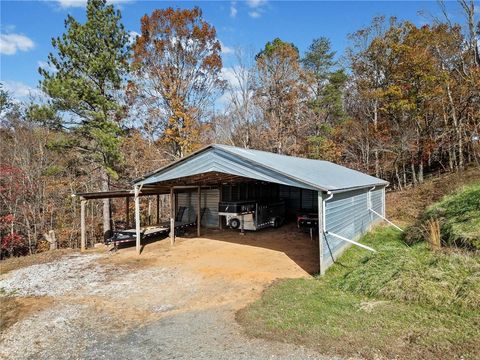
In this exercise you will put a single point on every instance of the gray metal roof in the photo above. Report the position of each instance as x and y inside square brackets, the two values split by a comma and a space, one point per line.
[265, 166]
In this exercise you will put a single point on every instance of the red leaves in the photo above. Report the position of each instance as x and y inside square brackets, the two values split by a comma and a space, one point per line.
[13, 183]
[10, 241]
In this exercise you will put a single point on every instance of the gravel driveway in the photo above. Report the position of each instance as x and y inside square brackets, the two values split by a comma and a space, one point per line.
[172, 303]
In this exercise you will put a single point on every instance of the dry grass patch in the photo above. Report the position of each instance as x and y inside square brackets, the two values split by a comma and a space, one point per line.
[40, 258]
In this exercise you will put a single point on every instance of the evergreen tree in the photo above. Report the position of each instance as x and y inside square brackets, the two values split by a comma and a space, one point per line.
[90, 64]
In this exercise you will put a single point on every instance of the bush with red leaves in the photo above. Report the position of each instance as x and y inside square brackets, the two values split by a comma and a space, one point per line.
[11, 243]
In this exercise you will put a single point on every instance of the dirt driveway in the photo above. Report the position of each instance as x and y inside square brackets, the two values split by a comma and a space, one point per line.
[169, 303]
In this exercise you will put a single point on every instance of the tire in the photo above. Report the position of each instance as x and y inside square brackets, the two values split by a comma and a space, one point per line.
[276, 223]
[234, 223]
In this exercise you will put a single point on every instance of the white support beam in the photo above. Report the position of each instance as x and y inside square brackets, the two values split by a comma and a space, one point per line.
[137, 219]
[172, 217]
[351, 241]
[83, 235]
[321, 210]
[388, 221]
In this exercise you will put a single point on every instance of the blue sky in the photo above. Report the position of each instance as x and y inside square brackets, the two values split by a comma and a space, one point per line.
[28, 26]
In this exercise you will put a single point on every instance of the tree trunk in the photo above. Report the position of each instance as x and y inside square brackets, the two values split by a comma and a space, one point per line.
[414, 175]
[375, 126]
[420, 172]
[399, 181]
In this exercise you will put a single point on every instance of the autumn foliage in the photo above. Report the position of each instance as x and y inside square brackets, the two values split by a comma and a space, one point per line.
[402, 102]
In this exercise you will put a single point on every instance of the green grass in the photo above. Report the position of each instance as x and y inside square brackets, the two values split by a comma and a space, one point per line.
[402, 301]
[459, 217]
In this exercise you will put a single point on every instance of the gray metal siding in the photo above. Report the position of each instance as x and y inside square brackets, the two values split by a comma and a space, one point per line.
[189, 200]
[347, 214]
[297, 198]
[377, 200]
[209, 200]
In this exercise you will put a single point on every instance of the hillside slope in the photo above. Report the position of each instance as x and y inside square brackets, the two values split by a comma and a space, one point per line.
[405, 206]
[403, 301]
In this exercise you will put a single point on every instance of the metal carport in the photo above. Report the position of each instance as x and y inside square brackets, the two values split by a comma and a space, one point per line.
[216, 165]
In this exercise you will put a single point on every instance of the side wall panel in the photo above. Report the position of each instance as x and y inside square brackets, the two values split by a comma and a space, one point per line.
[348, 215]
[209, 200]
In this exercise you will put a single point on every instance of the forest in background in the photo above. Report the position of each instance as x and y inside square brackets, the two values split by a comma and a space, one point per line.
[401, 102]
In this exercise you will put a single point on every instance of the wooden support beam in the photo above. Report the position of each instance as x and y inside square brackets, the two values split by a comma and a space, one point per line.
[172, 217]
[83, 231]
[220, 223]
[137, 219]
[199, 210]
[127, 211]
[158, 209]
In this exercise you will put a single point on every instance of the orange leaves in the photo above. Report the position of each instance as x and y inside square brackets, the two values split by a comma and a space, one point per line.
[177, 68]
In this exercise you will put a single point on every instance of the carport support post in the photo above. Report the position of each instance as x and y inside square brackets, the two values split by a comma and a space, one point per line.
[220, 221]
[321, 209]
[199, 209]
[82, 225]
[158, 209]
[137, 218]
[127, 211]
[172, 217]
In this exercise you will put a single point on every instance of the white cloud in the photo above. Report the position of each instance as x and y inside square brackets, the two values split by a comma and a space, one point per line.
[228, 74]
[233, 9]
[11, 43]
[256, 3]
[257, 8]
[46, 66]
[226, 49]
[132, 36]
[234, 76]
[21, 91]
[82, 3]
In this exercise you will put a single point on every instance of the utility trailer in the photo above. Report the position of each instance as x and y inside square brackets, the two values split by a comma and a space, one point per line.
[252, 215]
[123, 235]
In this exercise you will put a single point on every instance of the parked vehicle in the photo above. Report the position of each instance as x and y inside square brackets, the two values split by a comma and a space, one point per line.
[252, 215]
[307, 220]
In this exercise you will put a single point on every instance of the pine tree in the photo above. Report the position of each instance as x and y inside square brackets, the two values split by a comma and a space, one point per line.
[89, 65]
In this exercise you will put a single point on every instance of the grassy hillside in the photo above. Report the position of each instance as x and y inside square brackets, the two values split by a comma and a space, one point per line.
[404, 301]
[458, 216]
[406, 206]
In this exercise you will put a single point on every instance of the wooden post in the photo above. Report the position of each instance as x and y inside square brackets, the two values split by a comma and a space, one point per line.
[137, 219]
[220, 222]
[321, 209]
[158, 209]
[172, 217]
[199, 210]
[127, 211]
[149, 210]
[83, 234]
